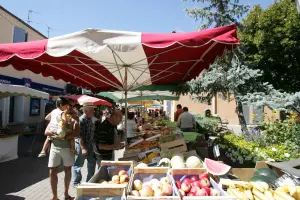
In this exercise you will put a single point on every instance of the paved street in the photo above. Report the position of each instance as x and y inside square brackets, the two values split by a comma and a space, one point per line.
[28, 177]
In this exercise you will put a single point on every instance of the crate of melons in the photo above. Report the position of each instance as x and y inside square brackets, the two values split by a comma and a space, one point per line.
[197, 184]
[113, 175]
[152, 183]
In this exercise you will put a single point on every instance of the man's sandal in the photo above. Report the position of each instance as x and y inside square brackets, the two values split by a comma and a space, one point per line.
[42, 155]
[69, 198]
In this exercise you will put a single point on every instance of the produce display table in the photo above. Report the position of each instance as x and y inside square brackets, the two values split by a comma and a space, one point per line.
[9, 148]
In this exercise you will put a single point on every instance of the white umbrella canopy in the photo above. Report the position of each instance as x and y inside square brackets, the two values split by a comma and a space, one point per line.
[19, 90]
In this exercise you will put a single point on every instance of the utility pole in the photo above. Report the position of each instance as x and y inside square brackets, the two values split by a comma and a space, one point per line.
[29, 16]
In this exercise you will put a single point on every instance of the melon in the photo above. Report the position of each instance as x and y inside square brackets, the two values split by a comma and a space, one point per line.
[142, 165]
[178, 165]
[165, 153]
[261, 179]
[216, 168]
[193, 162]
[266, 172]
[165, 162]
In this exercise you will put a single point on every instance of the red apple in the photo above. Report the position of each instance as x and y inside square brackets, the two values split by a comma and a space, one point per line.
[204, 175]
[186, 187]
[124, 178]
[135, 193]
[186, 180]
[207, 189]
[191, 194]
[194, 189]
[137, 184]
[182, 193]
[201, 192]
[178, 184]
[214, 192]
[196, 183]
[122, 172]
[194, 178]
[146, 191]
[204, 182]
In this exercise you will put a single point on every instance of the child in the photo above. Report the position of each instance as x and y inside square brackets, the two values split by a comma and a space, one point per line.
[65, 127]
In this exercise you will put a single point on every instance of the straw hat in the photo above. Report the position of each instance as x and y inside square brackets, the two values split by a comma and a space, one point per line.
[88, 105]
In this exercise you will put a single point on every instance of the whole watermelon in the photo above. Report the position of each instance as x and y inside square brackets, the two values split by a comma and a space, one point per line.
[266, 172]
[260, 179]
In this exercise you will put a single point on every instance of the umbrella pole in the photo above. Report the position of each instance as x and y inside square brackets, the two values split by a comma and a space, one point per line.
[126, 115]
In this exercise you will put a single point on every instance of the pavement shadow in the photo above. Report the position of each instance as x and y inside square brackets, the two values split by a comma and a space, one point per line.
[18, 174]
[12, 197]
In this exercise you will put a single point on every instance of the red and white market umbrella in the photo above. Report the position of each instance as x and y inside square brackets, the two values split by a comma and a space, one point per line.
[81, 99]
[102, 60]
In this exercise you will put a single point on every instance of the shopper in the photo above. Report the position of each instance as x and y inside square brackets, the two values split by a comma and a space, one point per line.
[186, 121]
[84, 146]
[47, 142]
[106, 138]
[60, 150]
[131, 127]
[178, 112]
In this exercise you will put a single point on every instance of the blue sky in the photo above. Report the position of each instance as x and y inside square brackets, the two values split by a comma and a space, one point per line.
[67, 16]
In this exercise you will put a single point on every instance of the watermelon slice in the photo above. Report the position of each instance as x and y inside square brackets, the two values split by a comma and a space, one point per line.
[216, 168]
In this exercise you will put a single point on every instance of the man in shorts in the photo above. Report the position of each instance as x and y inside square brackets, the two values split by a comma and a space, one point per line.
[60, 151]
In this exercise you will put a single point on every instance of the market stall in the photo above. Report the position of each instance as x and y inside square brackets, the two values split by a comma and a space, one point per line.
[9, 138]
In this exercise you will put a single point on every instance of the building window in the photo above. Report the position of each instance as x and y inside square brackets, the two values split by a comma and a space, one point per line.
[258, 112]
[20, 35]
[11, 109]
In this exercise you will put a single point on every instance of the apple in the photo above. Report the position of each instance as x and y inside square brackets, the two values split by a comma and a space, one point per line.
[196, 183]
[194, 189]
[115, 178]
[117, 182]
[194, 178]
[154, 181]
[135, 193]
[111, 182]
[178, 184]
[164, 180]
[156, 186]
[204, 175]
[191, 194]
[186, 187]
[146, 191]
[158, 193]
[104, 182]
[201, 192]
[167, 189]
[204, 182]
[182, 193]
[207, 189]
[214, 192]
[122, 172]
[186, 180]
[124, 178]
[137, 184]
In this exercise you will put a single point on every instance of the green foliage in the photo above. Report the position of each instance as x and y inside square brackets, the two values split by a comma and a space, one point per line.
[278, 141]
[217, 12]
[240, 150]
[271, 41]
[207, 124]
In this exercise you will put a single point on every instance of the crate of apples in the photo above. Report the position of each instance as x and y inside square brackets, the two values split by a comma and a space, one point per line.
[153, 183]
[121, 178]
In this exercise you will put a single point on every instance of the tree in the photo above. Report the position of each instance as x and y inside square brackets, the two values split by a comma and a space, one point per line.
[220, 79]
[271, 39]
[217, 12]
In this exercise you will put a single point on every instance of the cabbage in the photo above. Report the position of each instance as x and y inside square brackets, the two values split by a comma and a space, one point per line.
[178, 165]
[142, 165]
[165, 153]
[193, 162]
[165, 162]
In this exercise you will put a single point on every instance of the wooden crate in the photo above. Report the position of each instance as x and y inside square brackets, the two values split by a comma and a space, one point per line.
[176, 146]
[107, 170]
[146, 174]
[87, 190]
[177, 174]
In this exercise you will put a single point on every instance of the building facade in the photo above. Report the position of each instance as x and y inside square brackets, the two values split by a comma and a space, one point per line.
[22, 109]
